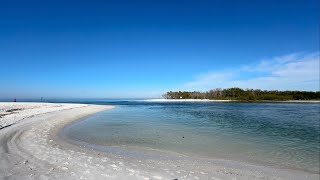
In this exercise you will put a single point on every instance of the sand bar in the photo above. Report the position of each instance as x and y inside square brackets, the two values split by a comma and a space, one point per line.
[31, 148]
[226, 100]
[184, 100]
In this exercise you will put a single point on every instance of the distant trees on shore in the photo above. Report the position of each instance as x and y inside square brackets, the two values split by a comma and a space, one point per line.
[244, 95]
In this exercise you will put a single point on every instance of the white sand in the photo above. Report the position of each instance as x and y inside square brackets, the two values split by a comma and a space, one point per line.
[11, 113]
[184, 100]
[214, 100]
[31, 149]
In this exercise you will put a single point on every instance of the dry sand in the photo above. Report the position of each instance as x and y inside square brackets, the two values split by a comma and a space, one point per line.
[31, 148]
[185, 100]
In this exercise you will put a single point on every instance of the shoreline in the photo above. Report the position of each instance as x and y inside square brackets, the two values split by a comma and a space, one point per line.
[136, 151]
[32, 148]
[226, 100]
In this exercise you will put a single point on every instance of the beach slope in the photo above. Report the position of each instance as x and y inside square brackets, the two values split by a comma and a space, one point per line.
[27, 150]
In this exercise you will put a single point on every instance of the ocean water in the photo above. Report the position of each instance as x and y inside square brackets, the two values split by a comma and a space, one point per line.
[272, 134]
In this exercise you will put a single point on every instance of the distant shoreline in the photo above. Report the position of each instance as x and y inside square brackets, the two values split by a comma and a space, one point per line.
[226, 100]
[185, 100]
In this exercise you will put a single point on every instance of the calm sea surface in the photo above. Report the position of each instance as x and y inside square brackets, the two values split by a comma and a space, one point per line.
[275, 134]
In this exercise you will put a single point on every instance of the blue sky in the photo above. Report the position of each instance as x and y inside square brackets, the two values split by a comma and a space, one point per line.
[101, 49]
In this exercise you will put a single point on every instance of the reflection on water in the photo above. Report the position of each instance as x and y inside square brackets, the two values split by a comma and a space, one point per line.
[277, 134]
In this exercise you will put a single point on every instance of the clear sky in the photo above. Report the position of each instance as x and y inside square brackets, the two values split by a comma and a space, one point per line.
[144, 48]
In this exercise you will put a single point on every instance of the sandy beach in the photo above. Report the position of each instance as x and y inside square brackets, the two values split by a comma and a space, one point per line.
[32, 147]
[216, 100]
[185, 100]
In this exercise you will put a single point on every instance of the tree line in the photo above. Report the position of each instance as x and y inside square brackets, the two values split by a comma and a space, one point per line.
[245, 95]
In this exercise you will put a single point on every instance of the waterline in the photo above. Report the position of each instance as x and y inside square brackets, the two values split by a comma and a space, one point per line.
[285, 135]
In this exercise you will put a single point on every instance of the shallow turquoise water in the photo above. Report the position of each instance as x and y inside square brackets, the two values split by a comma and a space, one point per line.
[285, 135]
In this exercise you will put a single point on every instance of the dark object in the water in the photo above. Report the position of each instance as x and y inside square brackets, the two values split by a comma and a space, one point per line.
[182, 136]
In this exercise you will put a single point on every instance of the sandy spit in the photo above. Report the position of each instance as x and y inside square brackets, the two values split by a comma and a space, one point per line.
[184, 100]
[216, 100]
[31, 148]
